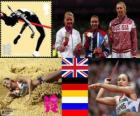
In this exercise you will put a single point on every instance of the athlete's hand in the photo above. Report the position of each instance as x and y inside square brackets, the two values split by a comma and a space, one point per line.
[101, 55]
[32, 35]
[16, 39]
[94, 86]
[66, 40]
[79, 50]
[97, 51]
[107, 81]
[61, 48]
[134, 57]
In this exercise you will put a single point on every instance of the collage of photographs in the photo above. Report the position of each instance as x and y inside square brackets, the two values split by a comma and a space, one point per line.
[83, 58]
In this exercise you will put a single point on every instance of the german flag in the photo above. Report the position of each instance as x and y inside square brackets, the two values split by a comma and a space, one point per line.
[75, 97]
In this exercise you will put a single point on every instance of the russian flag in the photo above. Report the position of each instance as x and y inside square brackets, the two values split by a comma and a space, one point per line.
[74, 97]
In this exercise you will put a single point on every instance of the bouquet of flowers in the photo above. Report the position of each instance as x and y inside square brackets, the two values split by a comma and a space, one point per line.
[79, 50]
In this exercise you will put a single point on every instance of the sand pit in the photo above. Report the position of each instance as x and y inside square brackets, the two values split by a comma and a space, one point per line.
[29, 68]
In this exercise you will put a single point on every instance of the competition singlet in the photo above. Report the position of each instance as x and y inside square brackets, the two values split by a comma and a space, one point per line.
[122, 107]
[126, 105]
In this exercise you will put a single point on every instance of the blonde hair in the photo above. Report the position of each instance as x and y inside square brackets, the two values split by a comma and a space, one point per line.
[94, 16]
[69, 14]
[122, 3]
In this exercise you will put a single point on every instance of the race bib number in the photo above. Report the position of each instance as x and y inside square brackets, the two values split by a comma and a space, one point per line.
[122, 107]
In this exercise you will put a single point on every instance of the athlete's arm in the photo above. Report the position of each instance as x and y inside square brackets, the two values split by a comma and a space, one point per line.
[29, 82]
[119, 89]
[21, 31]
[58, 43]
[134, 41]
[104, 100]
[53, 76]
[28, 23]
[107, 101]
[23, 28]
[113, 88]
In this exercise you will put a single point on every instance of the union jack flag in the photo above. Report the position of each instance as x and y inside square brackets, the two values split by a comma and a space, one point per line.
[74, 67]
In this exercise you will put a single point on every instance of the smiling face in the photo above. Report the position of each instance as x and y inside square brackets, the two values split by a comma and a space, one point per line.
[69, 20]
[123, 80]
[121, 9]
[7, 83]
[94, 22]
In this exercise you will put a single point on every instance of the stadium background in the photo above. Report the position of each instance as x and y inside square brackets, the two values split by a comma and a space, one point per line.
[84, 9]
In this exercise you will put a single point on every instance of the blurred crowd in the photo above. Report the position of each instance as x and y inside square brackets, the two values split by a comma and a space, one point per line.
[99, 70]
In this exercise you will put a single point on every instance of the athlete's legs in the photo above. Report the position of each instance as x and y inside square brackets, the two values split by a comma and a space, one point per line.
[40, 30]
[41, 37]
